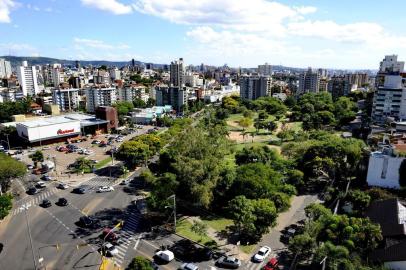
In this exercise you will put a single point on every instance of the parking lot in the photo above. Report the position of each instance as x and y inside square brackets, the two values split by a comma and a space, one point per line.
[95, 152]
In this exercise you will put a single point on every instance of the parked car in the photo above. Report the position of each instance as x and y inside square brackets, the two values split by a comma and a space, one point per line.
[46, 177]
[62, 202]
[62, 186]
[46, 203]
[165, 255]
[110, 249]
[30, 167]
[189, 266]
[262, 253]
[41, 184]
[125, 182]
[46, 148]
[32, 191]
[229, 262]
[272, 264]
[287, 235]
[95, 142]
[105, 189]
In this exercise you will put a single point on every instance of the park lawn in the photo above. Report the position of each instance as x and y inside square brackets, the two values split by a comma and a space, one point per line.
[103, 163]
[219, 224]
[184, 228]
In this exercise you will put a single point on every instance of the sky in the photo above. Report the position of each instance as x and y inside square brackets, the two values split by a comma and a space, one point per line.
[343, 34]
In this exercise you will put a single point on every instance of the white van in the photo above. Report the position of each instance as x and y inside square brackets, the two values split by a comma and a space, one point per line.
[165, 255]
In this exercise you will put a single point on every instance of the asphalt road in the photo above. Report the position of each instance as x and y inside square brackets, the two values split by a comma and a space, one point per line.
[55, 235]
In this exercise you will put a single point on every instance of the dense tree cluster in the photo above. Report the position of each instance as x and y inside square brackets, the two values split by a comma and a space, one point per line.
[345, 241]
[9, 169]
[317, 111]
[8, 109]
[140, 263]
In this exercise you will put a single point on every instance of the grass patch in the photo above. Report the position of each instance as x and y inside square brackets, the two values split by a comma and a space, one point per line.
[102, 163]
[247, 248]
[218, 225]
[184, 228]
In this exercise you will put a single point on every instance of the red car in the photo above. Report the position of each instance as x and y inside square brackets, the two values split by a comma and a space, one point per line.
[271, 265]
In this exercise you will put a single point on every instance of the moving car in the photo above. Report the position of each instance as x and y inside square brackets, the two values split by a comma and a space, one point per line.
[165, 255]
[262, 253]
[125, 182]
[272, 264]
[46, 203]
[88, 222]
[105, 189]
[62, 202]
[96, 142]
[109, 235]
[32, 191]
[189, 266]
[229, 262]
[110, 249]
[62, 186]
[46, 177]
[81, 190]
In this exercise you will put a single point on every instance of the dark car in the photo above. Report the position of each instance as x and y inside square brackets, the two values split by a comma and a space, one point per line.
[32, 191]
[229, 262]
[62, 202]
[88, 222]
[80, 190]
[110, 236]
[46, 203]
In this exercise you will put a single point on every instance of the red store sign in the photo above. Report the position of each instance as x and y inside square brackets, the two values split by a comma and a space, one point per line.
[67, 131]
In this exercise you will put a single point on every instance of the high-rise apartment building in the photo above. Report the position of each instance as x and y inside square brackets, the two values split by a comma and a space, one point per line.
[265, 69]
[96, 97]
[129, 93]
[309, 82]
[177, 73]
[390, 93]
[174, 96]
[57, 76]
[253, 87]
[339, 86]
[66, 99]
[5, 69]
[27, 77]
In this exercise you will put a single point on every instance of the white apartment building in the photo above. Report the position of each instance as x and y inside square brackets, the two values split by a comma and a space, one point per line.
[383, 170]
[115, 74]
[192, 79]
[66, 99]
[12, 95]
[96, 97]
[309, 82]
[5, 68]
[132, 92]
[265, 69]
[27, 77]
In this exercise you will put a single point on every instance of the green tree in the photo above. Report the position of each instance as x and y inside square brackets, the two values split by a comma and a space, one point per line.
[6, 204]
[37, 156]
[245, 123]
[241, 211]
[360, 200]
[200, 228]
[10, 169]
[248, 114]
[83, 164]
[303, 245]
[261, 154]
[139, 103]
[134, 152]
[123, 107]
[140, 263]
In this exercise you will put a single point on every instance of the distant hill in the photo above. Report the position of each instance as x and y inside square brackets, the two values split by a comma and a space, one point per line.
[16, 61]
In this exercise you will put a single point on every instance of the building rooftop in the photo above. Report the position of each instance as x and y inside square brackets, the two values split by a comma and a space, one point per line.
[46, 121]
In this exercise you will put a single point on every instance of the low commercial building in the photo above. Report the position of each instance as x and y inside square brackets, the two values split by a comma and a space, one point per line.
[149, 115]
[45, 130]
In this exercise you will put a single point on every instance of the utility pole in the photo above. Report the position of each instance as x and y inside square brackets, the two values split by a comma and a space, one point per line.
[8, 142]
[29, 235]
[174, 208]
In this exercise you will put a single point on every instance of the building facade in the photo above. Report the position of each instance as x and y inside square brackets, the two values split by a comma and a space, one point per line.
[265, 70]
[66, 99]
[253, 87]
[177, 73]
[5, 69]
[27, 77]
[96, 97]
[309, 82]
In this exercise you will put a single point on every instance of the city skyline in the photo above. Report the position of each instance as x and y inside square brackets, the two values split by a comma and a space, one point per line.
[240, 33]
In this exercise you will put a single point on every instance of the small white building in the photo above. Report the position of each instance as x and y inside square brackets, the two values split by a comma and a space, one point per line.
[383, 170]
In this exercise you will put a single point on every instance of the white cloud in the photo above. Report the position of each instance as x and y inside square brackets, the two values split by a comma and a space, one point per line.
[17, 49]
[5, 9]
[99, 44]
[113, 6]
[262, 29]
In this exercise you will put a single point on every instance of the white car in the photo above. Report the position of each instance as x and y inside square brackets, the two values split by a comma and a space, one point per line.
[106, 189]
[165, 255]
[262, 253]
[62, 186]
[110, 249]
